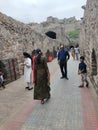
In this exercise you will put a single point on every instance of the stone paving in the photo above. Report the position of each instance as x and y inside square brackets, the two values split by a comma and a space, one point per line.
[70, 107]
[14, 98]
[64, 110]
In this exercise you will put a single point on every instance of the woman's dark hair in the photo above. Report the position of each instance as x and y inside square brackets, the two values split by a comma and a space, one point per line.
[38, 59]
[27, 55]
[33, 52]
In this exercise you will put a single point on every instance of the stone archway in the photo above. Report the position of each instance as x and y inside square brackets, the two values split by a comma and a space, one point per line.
[93, 63]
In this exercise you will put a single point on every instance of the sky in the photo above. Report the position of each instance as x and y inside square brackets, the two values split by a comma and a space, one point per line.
[28, 11]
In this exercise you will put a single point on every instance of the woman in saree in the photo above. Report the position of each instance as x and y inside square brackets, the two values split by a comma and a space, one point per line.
[41, 78]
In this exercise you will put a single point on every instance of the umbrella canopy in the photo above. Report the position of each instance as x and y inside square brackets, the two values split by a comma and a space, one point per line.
[51, 34]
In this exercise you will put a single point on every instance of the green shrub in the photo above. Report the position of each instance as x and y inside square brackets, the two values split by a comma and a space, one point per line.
[74, 34]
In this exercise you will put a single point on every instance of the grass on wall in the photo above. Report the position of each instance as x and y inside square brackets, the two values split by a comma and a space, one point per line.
[74, 34]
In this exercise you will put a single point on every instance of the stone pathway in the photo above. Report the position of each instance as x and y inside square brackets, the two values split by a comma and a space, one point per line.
[70, 107]
[64, 110]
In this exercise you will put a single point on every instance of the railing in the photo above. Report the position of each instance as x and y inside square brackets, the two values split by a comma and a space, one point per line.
[10, 70]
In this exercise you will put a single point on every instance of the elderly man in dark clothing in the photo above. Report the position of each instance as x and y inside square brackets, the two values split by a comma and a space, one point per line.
[63, 57]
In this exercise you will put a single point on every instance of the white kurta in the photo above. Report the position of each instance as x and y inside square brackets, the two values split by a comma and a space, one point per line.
[27, 70]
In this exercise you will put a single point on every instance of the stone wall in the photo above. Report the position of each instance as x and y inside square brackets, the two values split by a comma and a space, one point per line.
[89, 40]
[61, 27]
[17, 37]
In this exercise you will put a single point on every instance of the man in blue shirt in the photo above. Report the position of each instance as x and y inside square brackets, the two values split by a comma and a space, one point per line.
[63, 57]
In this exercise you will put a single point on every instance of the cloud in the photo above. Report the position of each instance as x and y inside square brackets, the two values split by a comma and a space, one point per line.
[38, 10]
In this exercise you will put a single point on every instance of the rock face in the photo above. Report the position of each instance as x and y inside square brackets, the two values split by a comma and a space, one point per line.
[14, 37]
[17, 37]
[89, 39]
[61, 27]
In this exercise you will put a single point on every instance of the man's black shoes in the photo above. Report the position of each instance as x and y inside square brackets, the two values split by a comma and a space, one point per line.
[66, 78]
[62, 77]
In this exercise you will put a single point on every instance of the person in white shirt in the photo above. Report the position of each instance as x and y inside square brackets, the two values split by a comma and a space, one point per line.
[76, 53]
[27, 70]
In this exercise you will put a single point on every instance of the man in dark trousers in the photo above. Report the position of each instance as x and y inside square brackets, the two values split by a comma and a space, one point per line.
[63, 57]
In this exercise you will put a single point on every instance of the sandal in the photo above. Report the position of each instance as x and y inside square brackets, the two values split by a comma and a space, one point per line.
[42, 101]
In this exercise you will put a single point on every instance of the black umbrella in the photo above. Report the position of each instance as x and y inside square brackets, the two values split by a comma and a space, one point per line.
[51, 34]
